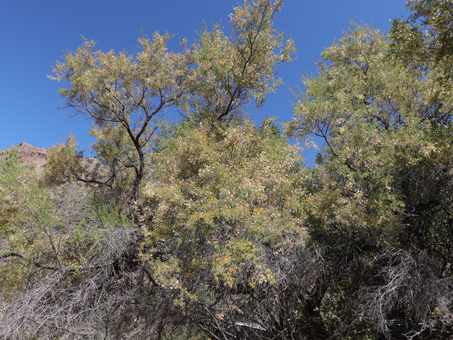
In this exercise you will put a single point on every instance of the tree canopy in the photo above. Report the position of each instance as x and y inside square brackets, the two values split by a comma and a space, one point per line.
[212, 227]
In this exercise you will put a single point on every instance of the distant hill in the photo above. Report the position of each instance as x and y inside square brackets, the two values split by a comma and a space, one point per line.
[30, 154]
[33, 155]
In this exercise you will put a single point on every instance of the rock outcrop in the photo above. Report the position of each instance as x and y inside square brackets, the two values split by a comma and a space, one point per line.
[30, 154]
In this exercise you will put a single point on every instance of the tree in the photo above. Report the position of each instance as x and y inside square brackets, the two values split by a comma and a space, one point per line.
[124, 92]
[212, 226]
[426, 36]
[228, 228]
[231, 72]
[382, 183]
[87, 279]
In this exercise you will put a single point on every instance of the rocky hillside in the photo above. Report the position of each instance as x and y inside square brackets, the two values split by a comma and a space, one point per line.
[30, 154]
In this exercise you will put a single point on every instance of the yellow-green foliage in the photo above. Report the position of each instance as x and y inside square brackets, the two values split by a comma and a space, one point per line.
[114, 149]
[225, 225]
[233, 71]
[44, 227]
[63, 163]
[376, 118]
[220, 200]
[22, 205]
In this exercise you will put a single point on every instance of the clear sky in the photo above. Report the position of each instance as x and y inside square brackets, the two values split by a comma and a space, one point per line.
[34, 34]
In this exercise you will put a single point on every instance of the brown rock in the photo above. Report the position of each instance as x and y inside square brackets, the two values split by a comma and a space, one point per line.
[30, 154]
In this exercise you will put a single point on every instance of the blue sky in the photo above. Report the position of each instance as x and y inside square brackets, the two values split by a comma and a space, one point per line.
[34, 34]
